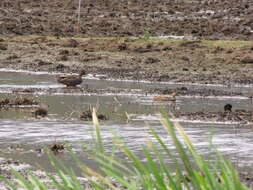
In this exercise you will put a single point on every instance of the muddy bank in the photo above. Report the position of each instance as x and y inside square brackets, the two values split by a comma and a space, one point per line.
[17, 102]
[186, 91]
[179, 92]
[203, 19]
[179, 61]
[241, 116]
[26, 170]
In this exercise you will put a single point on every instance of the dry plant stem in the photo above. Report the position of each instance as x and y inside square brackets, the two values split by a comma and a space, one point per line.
[79, 13]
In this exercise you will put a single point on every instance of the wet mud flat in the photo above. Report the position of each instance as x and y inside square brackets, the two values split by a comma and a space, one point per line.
[224, 70]
[17, 102]
[240, 116]
[26, 170]
[180, 91]
[164, 60]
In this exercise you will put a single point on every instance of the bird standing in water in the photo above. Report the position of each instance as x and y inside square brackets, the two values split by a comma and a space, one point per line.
[71, 80]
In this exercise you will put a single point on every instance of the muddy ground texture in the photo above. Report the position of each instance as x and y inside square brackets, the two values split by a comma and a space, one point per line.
[229, 19]
[187, 61]
[241, 116]
[26, 171]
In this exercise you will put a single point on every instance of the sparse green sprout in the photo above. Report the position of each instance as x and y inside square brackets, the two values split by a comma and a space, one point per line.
[146, 35]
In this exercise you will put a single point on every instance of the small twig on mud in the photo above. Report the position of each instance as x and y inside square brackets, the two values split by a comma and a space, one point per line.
[128, 117]
[73, 111]
[117, 101]
[70, 115]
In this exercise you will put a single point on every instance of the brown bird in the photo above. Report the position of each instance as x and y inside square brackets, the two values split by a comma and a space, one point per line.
[166, 98]
[71, 80]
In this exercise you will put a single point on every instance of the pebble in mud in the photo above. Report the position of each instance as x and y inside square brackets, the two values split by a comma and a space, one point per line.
[87, 116]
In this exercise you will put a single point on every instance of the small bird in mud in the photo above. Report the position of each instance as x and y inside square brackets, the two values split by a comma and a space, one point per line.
[71, 80]
[171, 98]
[228, 108]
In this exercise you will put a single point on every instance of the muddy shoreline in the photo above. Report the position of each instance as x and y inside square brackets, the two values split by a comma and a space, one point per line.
[163, 60]
[6, 165]
[180, 92]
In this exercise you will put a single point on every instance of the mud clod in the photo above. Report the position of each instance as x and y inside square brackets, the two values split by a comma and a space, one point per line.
[57, 147]
[40, 112]
[87, 116]
[3, 46]
[151, 60]
[247, 60]
[71, 43]
[6, 102]
[122, 47]
[62, 58]
[64, 52]
[42, 63]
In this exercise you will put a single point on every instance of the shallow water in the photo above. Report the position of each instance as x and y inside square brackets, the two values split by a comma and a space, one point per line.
[19, 127]
[234, 141]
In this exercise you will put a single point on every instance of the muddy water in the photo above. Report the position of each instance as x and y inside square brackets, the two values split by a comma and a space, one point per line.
[21, 134]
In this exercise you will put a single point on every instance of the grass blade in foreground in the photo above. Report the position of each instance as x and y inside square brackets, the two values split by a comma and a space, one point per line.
[192, 172]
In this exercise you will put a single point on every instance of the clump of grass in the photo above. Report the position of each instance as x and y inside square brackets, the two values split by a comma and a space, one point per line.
[191, 170]
[146, 35]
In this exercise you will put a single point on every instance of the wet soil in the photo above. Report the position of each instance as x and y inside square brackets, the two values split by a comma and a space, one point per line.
[230, 19]
[164, 60]
[204, 92]
[240, 116]
[17, 102]
[26, 170]
[180, 91]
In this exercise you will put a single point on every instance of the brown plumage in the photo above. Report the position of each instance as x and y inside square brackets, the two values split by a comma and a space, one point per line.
[71, 80]
[165, 98]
